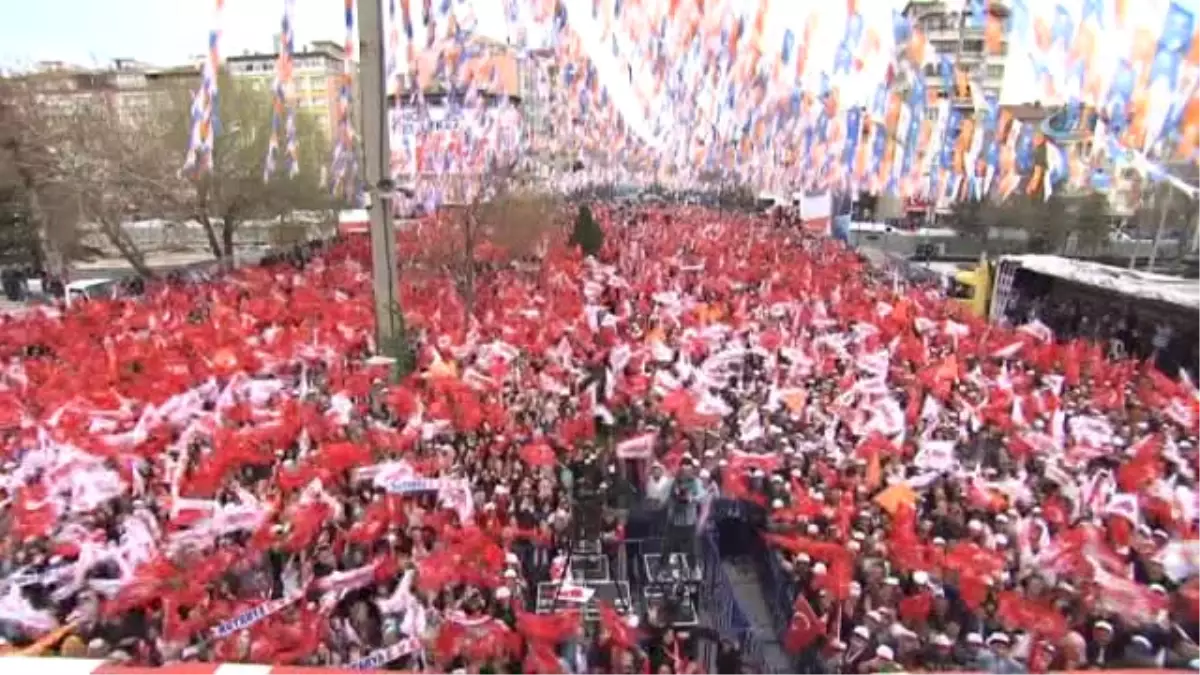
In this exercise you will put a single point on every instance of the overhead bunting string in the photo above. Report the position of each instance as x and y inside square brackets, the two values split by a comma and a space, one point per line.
[205, 117]
[344, 169]
[284, 108]
[808, 96]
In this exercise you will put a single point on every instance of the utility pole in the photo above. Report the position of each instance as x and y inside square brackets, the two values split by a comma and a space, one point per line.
[1158, 232]
[390, 338]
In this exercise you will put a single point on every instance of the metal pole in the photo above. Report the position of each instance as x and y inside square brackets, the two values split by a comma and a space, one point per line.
[1194, 247]
[1162, 224]
[389, 321]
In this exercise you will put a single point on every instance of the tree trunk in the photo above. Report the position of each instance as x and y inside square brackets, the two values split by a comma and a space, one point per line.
[468, 259]
[211, 233]
[228, 228]
[128, 250]
[52, 260]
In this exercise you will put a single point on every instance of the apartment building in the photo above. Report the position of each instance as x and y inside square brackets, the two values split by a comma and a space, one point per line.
[953, 32]
[129, 89]
[498, 74]
[318, 71]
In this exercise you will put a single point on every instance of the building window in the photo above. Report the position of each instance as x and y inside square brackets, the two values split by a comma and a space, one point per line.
[995, 71]
[973, 46]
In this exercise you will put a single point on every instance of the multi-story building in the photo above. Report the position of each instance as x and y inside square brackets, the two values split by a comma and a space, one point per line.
[953, 32]
[497, 74]
[318, 71]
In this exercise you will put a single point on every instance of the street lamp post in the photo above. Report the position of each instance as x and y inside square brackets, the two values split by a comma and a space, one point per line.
[390, 338]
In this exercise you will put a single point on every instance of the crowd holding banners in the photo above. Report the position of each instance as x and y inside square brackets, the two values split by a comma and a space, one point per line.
[218, 472]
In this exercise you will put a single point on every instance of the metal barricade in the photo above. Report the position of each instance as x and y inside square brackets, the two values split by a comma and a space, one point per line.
[718, 602]
[780, 589]
[728, 616]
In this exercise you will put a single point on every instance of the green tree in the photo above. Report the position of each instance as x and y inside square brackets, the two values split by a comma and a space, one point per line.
[975, 219]
[1091, 223]
[1048, 224]
[587, 234]
[235, 191]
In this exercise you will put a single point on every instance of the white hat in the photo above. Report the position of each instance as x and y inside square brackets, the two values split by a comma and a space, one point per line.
[884, 652]
[942, 641]
[503, 593]
[510, 574]
[998, 637]
[705, 474]
[862, 632]
[975, 526]
[1104, 625]
[777, 504]
[974, 639]
[892, 581]
[920, 577]
[1142, 640]
[511, 558]
[776, 478]
[819, 568]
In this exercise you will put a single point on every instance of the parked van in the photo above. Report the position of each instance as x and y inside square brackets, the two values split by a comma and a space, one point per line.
[90, 289]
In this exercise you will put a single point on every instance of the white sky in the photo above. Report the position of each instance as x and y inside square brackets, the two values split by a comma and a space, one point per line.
[171, 31]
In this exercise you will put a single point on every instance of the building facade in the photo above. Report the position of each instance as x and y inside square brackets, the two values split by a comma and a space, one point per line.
[318, 71]
[133, 90]
[432, 137]
[953, 32]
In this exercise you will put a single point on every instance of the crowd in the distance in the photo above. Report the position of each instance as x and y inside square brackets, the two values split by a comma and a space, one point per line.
[221, 472]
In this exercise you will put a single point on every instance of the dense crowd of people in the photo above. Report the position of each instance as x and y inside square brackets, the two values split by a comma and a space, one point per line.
[224, 472]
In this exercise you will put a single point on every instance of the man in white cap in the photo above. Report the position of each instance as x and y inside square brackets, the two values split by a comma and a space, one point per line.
[997, 656]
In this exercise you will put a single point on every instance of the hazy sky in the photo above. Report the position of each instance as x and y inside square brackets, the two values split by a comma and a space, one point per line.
[93, 32]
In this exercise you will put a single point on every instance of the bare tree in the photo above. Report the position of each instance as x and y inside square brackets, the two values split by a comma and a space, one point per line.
[494, 222]
[123, 170]
[28, 176]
